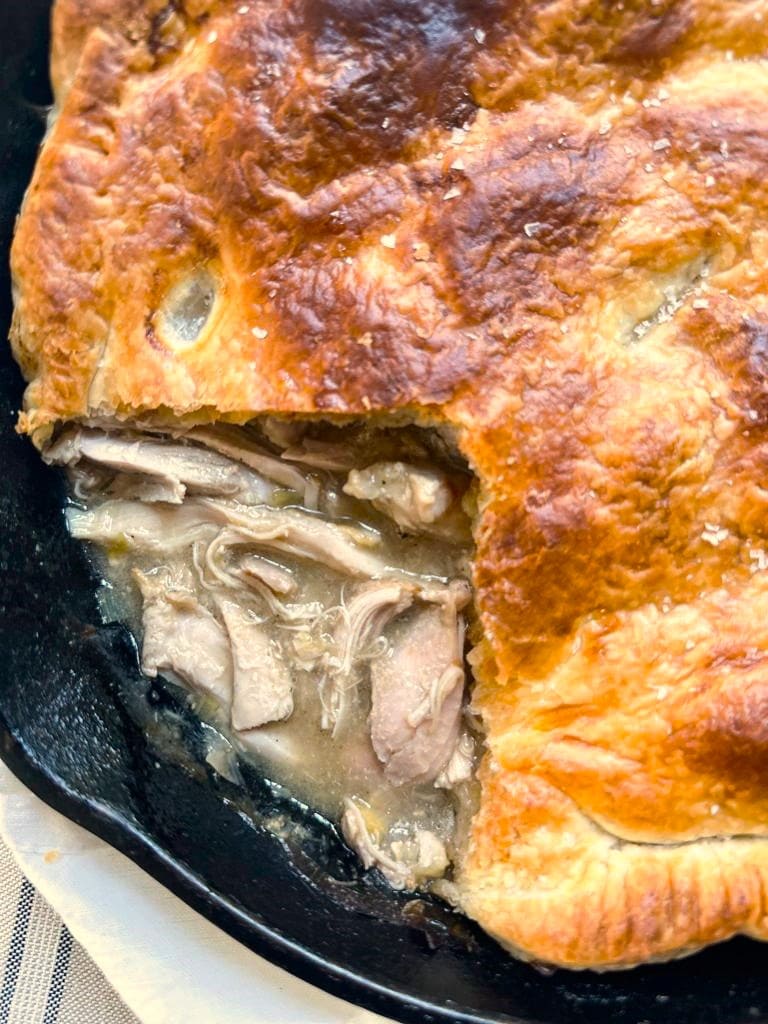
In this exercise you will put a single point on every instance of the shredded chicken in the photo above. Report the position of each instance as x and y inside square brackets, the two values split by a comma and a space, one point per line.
[321, 455]
[276, 577]
[303, 612]
[407, 863]
[182, 637]
[145, 488]
[259, 604]
[460, 763]
[263, 688]
[411, 495]
[230, 441]
[367, 615]
[365, 618]
[356, 833]
[291, 531]
[416, 694]
[179, 467]
[211, 562]
[297, 533]
[87, 480]
[133, 524]
[425, 851]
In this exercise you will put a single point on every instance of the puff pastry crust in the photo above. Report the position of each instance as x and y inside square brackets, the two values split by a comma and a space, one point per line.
[546, 225]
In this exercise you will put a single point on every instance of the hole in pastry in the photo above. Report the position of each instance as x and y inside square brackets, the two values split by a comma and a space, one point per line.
[187, 309]
[309, 584]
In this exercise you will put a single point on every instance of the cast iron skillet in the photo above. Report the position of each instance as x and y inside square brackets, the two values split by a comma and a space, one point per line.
[87, 733]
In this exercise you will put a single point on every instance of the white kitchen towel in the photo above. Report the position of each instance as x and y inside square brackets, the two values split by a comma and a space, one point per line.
[165, 962]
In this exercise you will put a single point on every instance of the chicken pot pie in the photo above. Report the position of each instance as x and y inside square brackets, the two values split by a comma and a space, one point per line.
[374, 331]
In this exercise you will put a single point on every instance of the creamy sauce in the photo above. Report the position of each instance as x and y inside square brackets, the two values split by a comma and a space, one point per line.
[324, 767]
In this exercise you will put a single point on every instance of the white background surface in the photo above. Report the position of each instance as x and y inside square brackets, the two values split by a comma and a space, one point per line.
[166, 962]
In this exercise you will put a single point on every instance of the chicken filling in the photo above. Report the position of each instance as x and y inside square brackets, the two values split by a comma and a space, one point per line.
[308, 583]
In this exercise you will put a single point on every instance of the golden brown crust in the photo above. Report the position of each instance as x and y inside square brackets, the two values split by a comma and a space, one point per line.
[545, 224]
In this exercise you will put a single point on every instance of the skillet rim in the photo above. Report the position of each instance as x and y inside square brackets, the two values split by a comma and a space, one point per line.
[291, 956]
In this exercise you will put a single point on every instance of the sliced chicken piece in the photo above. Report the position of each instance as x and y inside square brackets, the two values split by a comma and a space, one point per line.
[231, 441]
[181, 467]
[302, 612]
[407, 862]
[416, 694]
[145, 488]
[145, 527]
[182, 637]
[368, 614]
[365, 618]
[337, 458]
[276, 744]
[312, 492]
[88, 480]
[305, 536]
[275, 576]
[263, 688]
[297, 533]
[213, 561]
[411, 495]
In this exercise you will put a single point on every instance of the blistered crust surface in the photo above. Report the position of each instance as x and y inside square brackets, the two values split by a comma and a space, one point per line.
[545, 224]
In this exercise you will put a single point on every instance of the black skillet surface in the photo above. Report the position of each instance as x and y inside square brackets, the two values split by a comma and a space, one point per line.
[82, 728]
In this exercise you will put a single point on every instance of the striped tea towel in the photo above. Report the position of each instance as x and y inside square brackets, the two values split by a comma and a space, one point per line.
[47, 977]
[167, 964]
